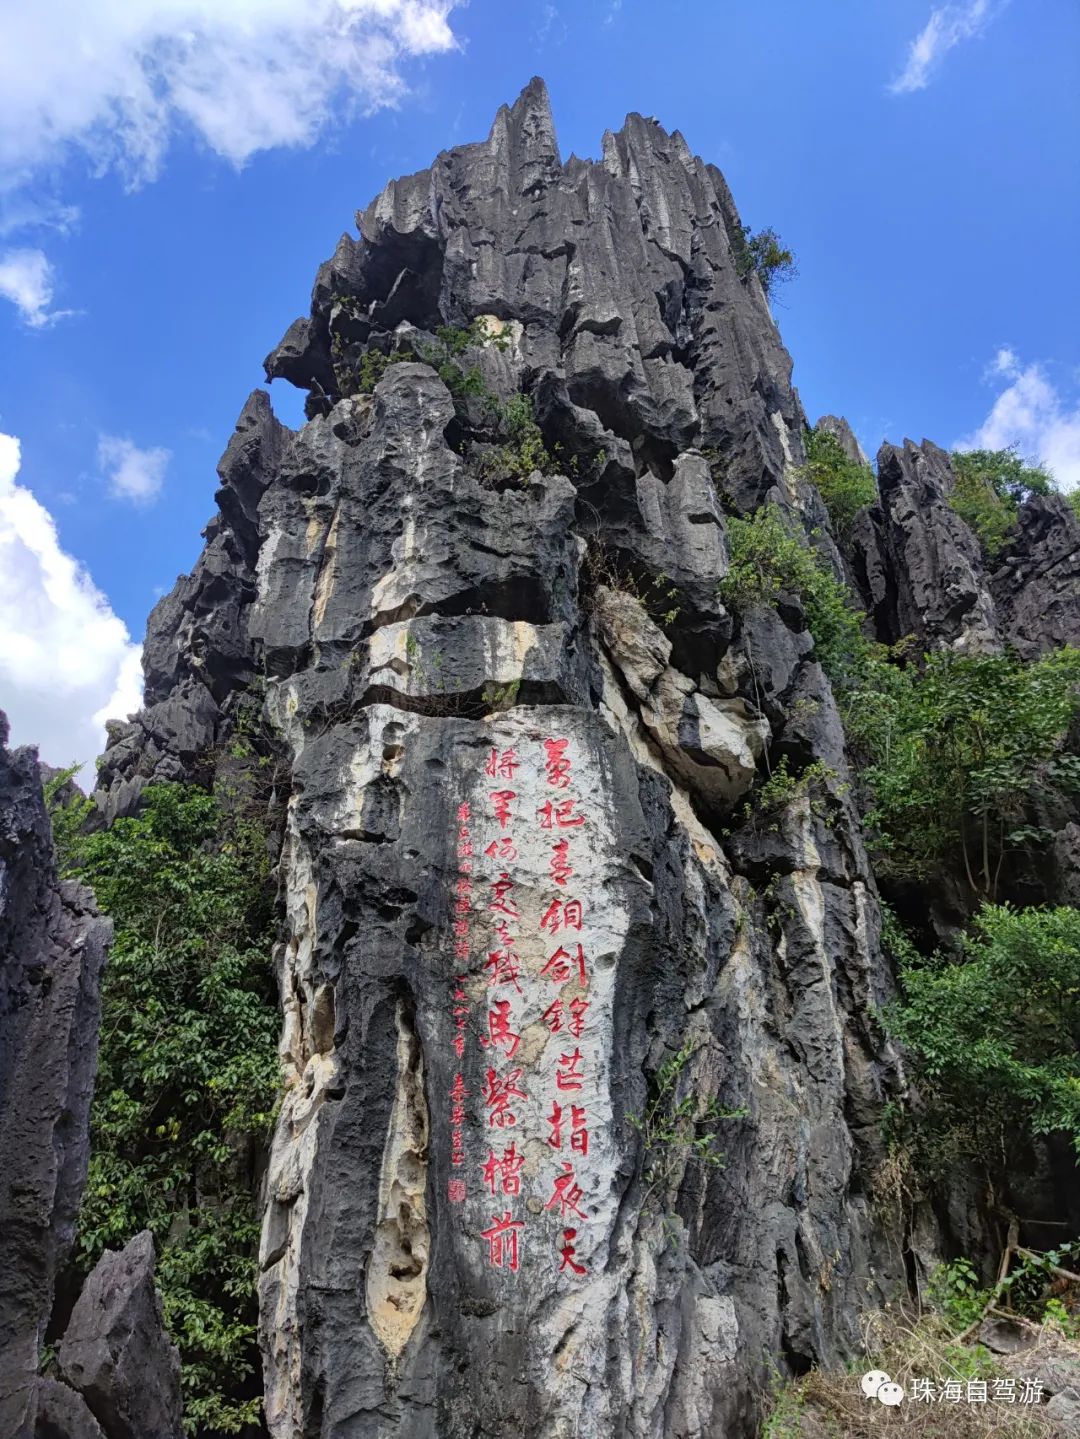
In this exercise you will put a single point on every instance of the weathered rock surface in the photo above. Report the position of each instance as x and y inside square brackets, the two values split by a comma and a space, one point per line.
[115, 1352]
[922, 572]
[53, 945]
[52, 950]
[520, 879]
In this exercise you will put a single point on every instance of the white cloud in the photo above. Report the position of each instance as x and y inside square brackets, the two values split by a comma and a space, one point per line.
[947, 27]
[1033, 414]
[119, 79]
[26, 279]
[67, 663]
[133, 474]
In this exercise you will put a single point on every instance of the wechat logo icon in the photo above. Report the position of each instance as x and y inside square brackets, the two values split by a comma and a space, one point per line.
[876, 1384]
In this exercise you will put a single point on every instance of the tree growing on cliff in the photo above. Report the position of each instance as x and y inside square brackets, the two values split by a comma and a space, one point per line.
[844, 484]
[765, 255]
[995, 1030]
[187, 1078]
[989, 489]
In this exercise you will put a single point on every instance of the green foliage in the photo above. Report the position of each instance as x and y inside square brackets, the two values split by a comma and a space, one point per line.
[1073, 498]
[765, 255]
[677, 1129]
[957, 750]
[68, 812]
[187, 1078]
[501, 697]
[955, 1292]
[524, 450]
[845, 485]
[994, 1029]
[990, 485]
[781, 789]
[770, 558]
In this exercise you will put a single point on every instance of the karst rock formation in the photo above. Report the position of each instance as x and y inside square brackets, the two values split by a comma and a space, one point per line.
[117, 1375]
[513, 728]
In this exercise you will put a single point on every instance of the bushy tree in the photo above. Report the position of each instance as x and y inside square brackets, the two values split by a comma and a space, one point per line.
[187, 1078]
[844, 484]
[996, 1031]
[990, 486]
[770, 556]
[959, 746]
[765, 255]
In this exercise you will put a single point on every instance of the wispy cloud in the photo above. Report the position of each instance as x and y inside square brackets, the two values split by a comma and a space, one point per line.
[67, 662]
[947, 27]
[26, 279]
[132, 474]
[1032, 413]
[241, 75]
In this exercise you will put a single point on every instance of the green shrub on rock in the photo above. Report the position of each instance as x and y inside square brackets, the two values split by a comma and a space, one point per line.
[994, 1030]
[990, 486]
[844, 484]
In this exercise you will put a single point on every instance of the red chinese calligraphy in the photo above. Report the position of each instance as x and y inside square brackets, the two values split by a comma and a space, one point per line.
[455, 1190]
[502, 766]
[562, 915]
[498, 1092]
[464, 813]
[562, 964]
[568, 1075]
[501, 892]
[499, 1031]
[504, 966]
[576, 1023]
[504, 1173]
[501, 799]
[566, 1193]
[579, 1134]
[568, 1251]
[501, 848]
[556, 762]
[502, 1241]
[559, 814]
[560, 862]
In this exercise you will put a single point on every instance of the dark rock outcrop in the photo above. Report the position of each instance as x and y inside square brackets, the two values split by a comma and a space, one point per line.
[922, 572]
[115, 1352]
[53, 945]
[437, 651]
[917, 563]
[52, 950]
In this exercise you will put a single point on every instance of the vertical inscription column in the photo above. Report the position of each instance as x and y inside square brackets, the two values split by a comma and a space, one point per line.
[538, 926]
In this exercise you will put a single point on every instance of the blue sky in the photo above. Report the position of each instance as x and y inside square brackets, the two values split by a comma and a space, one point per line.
[173, 171]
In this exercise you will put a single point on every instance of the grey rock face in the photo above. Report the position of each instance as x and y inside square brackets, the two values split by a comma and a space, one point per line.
[917, 563]
[922, 572]
[115, 1352]
[839, 428]
[52, 950]
[1036, 584]
[61, 1413]
[520, 873]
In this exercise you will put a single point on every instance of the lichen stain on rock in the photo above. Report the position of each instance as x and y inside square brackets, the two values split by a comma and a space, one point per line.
[397, 1269]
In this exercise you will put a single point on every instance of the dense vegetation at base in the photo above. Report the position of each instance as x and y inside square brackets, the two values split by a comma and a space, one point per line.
[962, 760]
[188, 1075]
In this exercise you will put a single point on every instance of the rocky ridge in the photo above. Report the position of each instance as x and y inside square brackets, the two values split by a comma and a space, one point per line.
[483, 711]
